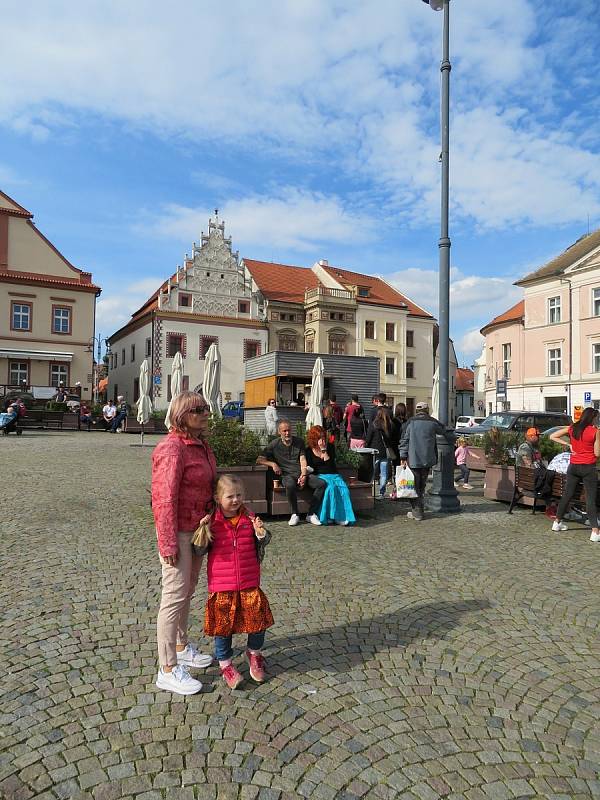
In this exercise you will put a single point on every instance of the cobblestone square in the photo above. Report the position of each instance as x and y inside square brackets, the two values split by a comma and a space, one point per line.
[455, 658]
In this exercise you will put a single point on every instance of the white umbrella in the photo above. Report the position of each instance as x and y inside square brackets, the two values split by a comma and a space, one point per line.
[435, 394]
[314, 416]
[176, 383]
[212, 379]
[144, 404]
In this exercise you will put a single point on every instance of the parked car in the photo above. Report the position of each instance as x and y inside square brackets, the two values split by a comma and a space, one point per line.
[519, 422]
[26, 397]
[73, 402]
[468, 422]
[234, 409]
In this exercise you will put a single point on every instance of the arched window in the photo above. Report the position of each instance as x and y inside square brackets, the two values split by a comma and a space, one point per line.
[288, 340]
[337, 342]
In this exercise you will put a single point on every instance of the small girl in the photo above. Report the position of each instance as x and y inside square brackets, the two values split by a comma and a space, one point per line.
[235, 539]
[460, 454]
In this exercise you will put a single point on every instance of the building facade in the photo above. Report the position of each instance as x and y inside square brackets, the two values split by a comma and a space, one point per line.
[547, 347]
[47, 310]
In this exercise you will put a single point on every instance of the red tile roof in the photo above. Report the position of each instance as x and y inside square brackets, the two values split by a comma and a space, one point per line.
[380, 292]
[513, 314]
[464, 379]
[12, 276]
[281, 281]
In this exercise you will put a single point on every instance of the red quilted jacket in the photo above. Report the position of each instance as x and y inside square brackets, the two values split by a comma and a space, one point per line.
[232, 560]
[183, 479]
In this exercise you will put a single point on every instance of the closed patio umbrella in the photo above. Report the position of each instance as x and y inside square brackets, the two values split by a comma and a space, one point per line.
[144, 404]
[435, 394]
[314, 416]
[212, 379]
[176, 383]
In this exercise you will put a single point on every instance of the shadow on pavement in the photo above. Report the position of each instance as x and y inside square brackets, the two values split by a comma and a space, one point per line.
[343, 647]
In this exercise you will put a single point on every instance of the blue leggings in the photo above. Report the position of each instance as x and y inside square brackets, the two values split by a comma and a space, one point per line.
[224, 650]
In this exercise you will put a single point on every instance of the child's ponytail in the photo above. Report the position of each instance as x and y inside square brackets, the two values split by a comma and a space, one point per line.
[202, 535]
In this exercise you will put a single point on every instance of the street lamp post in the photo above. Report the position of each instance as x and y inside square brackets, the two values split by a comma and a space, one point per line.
[97, 340]
[443, 495]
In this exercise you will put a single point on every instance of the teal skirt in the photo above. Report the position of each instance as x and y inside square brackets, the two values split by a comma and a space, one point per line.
[336, 505]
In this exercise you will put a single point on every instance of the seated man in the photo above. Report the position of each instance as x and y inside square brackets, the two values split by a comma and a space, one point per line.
[528, 454]
[120, 416]
[286, 457]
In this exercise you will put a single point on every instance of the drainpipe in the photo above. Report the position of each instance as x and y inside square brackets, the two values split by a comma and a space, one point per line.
[566, 280]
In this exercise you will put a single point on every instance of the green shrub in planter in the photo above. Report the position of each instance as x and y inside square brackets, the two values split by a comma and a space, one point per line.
[549, 449]
[159, 414]
[501, 446]
[344, 457]
[97, 410]
[51, 405]
[233, 445]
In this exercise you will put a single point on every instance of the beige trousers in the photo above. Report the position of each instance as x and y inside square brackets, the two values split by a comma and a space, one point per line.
[178, 587]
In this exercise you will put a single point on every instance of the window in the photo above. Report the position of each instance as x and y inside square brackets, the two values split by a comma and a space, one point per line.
[339, 316]
[337, 345]
[59, 373]
[20, 316]
[309, 344]
[251, 348]
[390, 331]
[363, 291]
[369, 329]
[136, 389]
[148, 347]
[286, 317]
[122, 356]
[596, 302]
[18, 372]
[185, 300]
[243, 306]
[554, 361]
[410, 369]
[288, 342]
[410, 406]
[596, 358]
[506, 350]
[132, 353]
[410, 338]
[554, 310]
[205, 343]
[175, 344]
[61, 319]
[390, 365]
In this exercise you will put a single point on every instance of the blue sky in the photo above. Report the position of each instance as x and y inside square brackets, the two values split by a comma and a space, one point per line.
[314, 128]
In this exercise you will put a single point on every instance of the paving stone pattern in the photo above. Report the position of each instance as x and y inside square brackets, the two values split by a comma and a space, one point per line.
[454, 658]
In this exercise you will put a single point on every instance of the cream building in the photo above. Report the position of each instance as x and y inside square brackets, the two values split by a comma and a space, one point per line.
[47, 310]
[548, 345]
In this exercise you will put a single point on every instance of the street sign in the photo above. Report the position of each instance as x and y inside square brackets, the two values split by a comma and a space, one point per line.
[587, 397]
[156, 380]
[501, 389]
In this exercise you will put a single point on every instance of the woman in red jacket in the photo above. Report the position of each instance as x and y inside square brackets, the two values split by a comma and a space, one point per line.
[183, 479]
[236, 603]
[584, 441]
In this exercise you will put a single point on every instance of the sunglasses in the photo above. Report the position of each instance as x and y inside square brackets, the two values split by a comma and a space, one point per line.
[199, 410]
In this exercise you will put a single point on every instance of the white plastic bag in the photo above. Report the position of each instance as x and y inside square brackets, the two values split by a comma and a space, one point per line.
[405, 483]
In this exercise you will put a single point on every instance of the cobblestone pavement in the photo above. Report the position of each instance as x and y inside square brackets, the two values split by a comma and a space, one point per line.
[454, 658]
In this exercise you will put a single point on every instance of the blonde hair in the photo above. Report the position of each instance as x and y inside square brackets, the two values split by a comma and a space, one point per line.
[181, 405]
[461, 440]
[227, 480]
[202, 535]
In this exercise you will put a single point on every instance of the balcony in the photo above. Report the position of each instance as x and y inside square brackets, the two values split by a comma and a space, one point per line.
[322, 294]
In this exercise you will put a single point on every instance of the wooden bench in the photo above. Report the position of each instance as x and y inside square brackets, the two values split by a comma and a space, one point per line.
[525, 487]
[361, 494]
[53, 418]
[41, 418]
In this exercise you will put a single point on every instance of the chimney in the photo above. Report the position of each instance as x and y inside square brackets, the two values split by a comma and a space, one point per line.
[323, 262]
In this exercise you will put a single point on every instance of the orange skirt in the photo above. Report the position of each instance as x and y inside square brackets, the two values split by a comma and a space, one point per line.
[245, 611]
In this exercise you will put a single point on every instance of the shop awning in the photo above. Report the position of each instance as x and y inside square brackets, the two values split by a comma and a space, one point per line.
[35, 355]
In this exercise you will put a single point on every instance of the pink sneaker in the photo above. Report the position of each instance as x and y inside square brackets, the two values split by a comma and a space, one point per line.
[231, 676]
[257, 666]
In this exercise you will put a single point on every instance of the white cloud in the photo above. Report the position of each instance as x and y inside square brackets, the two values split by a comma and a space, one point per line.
[468, 347]
[114, 309]
[291, 219]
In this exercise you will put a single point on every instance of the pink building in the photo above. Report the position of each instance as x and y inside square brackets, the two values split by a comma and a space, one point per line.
[547, 346]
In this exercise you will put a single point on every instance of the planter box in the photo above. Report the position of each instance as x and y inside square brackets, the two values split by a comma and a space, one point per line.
[255, 484]
[152, 426]
[477, 459]
[499, 482]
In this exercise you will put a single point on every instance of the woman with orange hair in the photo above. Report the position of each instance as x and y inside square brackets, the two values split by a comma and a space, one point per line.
[320, 459]
[183, 480]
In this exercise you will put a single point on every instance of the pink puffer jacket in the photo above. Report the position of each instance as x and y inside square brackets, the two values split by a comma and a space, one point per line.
[232, 560]
[183, 479]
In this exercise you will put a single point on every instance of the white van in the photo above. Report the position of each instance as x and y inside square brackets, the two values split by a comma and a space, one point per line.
[468, 422]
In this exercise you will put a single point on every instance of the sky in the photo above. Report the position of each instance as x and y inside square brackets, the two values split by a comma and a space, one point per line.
[314, 128]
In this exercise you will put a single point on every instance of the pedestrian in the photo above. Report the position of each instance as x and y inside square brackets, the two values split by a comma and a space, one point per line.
[85, 416]
[332, 418]
[379, 436]
[271, 417]
[358, 429]
[120, 416]
[183, 477]
[398, 422]
[529, 454]
[109, 412]
[348, 412]
[286, 456]
[461, 455]
[379, 401]
[236, 603]
[336, 505]
[61, 395]
[418, 448]
[584, 441]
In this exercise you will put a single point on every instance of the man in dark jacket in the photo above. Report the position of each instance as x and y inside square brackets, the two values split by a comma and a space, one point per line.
[418, 446]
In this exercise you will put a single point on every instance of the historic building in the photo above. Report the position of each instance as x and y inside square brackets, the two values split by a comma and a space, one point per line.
[547, 347]
[252, 307]
[47, 309]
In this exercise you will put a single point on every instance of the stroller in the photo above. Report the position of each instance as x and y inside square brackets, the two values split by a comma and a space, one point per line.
[8, 422]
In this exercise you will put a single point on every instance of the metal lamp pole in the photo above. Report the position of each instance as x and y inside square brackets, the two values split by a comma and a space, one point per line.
[443, 495]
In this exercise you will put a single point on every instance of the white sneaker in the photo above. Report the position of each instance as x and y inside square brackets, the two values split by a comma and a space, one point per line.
[559, 526]
[294, 519]
[341, 522]
[410, 515]
[467, 486]
[190, 657]
[178, 680]
[594, 537]
[313, 519]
